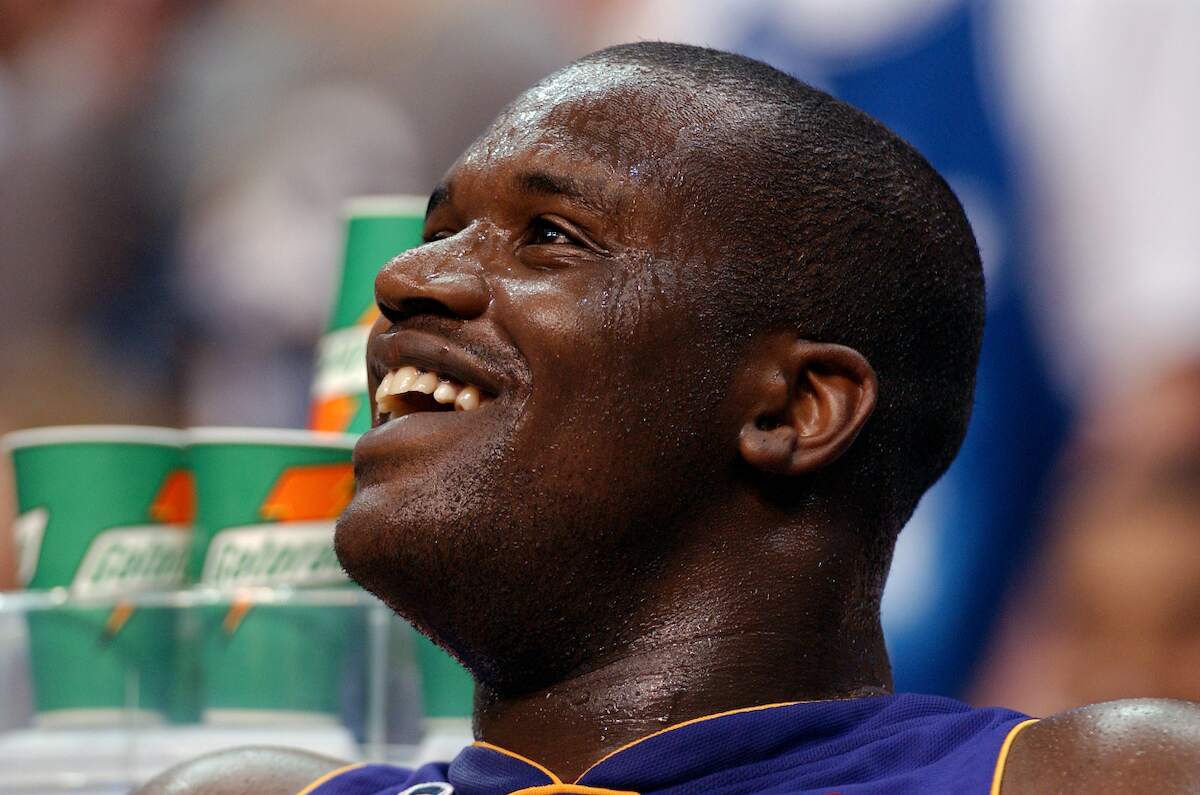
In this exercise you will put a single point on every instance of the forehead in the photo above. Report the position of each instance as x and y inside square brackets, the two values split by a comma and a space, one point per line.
[609, 121]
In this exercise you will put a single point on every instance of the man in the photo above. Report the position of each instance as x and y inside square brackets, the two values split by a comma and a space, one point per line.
[718, 333]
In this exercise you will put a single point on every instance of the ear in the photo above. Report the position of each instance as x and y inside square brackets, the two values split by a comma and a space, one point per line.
[811, 400]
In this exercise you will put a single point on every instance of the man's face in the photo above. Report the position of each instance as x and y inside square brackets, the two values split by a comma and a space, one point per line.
[560, 280]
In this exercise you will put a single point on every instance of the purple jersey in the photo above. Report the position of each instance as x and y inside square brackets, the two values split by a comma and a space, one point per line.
[883, 744]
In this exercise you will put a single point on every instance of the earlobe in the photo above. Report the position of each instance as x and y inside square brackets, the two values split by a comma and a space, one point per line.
[813, 400]
[771, 449]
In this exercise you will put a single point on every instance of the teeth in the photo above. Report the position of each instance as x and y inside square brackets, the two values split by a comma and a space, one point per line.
[381, 393]
[426, 383]
[385, 404]
[468, 399]
[446, 392]
[410, 379]
[402, 380]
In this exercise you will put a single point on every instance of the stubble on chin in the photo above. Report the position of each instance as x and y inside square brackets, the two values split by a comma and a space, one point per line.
[521, 586]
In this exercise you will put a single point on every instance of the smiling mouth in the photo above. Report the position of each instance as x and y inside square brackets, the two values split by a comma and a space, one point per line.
[409, 390]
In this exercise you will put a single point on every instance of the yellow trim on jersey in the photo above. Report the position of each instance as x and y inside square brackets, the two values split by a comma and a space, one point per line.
[330, 775]
[1003, 756]
[555, 779]
[577, 789]
[627, 746]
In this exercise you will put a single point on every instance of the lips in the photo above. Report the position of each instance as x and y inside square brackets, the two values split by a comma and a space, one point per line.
[415, 371]
[417, 425]
[410, 389]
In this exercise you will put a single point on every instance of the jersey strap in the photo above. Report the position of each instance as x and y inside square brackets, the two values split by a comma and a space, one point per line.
[1002, 757]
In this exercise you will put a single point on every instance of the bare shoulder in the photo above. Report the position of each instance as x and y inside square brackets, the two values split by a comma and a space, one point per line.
[1132, 746]
[243, 771]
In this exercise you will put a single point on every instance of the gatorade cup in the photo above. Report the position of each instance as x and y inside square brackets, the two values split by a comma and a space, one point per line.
[105, 512]
[266, 503]
[377, 229]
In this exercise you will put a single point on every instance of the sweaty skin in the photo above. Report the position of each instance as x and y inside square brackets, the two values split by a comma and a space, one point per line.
[614, 605]
[604, 544]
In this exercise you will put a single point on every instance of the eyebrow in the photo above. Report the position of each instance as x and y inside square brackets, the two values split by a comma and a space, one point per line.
[548, 184]
[588, 193]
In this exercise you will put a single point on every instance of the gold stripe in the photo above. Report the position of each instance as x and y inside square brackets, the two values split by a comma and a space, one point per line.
[577, 789]
[1003, 757]
[330, 775]
[519, 758]
[559, 782]
[627, 746]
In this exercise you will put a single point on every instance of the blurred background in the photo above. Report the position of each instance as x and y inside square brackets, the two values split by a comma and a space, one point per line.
[171, 175]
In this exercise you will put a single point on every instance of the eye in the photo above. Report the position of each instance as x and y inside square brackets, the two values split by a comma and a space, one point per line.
[543, 232]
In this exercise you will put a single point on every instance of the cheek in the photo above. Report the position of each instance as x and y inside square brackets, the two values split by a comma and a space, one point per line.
[583, 331]
[621, 371]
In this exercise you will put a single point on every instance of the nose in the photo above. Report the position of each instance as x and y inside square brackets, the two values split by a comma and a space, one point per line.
[426, 281]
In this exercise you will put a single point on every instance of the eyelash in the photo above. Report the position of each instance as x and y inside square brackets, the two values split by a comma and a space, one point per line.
[539, 224]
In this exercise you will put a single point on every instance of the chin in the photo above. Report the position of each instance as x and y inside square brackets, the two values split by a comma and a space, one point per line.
[398, 543]
[500, 571]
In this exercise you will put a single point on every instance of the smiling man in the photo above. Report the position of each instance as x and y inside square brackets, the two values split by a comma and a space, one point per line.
[712, 333]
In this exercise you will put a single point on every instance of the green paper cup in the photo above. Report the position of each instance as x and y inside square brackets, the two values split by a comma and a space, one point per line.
[377, 229]
[266, 503]
[105, 512]
[447, 690]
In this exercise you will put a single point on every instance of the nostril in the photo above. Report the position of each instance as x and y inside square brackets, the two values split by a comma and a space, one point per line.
[415, 289]
[411, 307]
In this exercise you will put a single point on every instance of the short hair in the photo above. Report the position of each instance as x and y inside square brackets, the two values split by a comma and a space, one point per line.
[836, 227]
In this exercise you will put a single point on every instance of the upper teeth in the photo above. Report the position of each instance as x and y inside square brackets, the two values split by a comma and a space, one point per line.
[410, 379]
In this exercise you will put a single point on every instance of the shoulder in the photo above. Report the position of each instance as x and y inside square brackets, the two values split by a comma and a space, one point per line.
[1137, 745]
[242, 771]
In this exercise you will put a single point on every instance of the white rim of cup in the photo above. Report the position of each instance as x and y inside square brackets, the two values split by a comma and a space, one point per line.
[98, 718]
[382, 206]
[91, 434]
[290, 437]
[250, 717]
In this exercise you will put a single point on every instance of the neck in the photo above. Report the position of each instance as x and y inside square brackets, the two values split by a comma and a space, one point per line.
[717, 637]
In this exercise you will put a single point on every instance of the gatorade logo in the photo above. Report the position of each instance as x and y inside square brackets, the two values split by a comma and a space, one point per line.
[341, 374]
[341, 357]
[334, 414]
[175, 502]
[297, 554]
[135, 557]
[296, 548]
[341, 378]
[29, 529]
[139, 558]
[320, 491]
